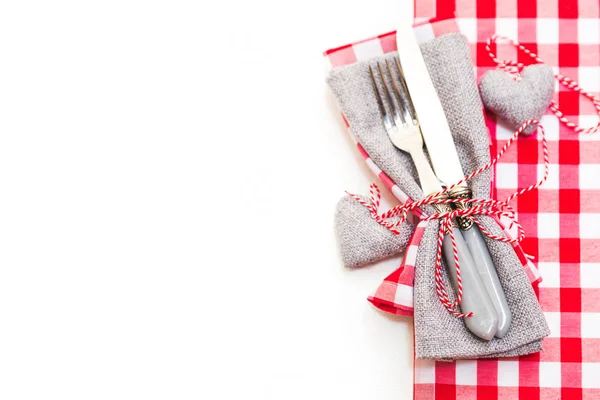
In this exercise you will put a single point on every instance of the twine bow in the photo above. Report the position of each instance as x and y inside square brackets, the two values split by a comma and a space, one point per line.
[489, 207]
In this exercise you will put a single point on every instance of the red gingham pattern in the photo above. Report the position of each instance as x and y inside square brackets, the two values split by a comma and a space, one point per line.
[395, 294]
[561, 219]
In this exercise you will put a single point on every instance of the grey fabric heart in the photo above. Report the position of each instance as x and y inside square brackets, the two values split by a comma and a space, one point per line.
[362, 239]
[516, 101]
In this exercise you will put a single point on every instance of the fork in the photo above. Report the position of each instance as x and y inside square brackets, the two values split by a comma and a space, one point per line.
[402, 126]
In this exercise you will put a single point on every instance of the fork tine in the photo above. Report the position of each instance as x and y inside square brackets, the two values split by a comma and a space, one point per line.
[411, 107]
[397, 119]
[377, 93]
[404, 113]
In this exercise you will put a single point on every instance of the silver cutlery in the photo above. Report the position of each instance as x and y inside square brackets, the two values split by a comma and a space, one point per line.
[444, 158]
[403, 128]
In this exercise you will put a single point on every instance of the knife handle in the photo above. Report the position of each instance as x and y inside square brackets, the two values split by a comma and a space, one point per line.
[483, 261]
[475, 298]
[489, 277]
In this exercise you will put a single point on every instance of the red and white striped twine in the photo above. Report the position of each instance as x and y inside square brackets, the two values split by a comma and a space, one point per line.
[515, 68]
[488, 207]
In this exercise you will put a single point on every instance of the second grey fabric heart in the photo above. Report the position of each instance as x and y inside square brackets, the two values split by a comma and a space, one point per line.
[362, 239]
[516, 101]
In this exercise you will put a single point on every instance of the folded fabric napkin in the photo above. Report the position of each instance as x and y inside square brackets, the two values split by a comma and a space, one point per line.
[438, 334]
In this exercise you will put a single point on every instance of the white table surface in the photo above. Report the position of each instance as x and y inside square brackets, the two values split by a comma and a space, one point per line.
[168, 176]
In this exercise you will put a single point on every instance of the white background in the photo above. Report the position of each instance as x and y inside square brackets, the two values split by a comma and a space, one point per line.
[168, 176]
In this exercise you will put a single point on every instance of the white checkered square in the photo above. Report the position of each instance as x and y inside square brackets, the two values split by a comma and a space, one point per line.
[552, 182]
[590, 375]
[586, 121]
[504, 133]
[507, 176]
[513, 230]
[468, 27]
[372, 166]
[404, 295]
[551, 274]
[411, 253]
[589, 78]
[589, 175]
[589, 274]
[424, 371]
[553, 320]
[400, 195]
[508, 27]
[551, 126]
[588, 31]
[589, 225]
[424, 33]
[590, 325]
[547, 30]
[368, 49]
[508, 373]
[466, 372]
[548, 225]
[550, 374]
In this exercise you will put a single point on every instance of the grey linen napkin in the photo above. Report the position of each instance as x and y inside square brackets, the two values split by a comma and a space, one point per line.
[438, 334]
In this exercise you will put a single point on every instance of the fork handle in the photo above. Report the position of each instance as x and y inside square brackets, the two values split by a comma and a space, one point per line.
[429, 182]
[475, 298]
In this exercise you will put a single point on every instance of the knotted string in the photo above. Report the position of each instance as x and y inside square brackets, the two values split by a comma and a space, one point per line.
[487, 207]
[514, 68]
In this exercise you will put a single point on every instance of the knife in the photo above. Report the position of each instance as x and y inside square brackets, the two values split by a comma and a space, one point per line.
[444, 158]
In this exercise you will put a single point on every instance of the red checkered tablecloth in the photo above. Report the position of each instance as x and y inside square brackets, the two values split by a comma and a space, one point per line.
[561, 219]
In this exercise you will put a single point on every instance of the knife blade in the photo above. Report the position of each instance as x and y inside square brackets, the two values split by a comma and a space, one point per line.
[434, 127]
[444, 158]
